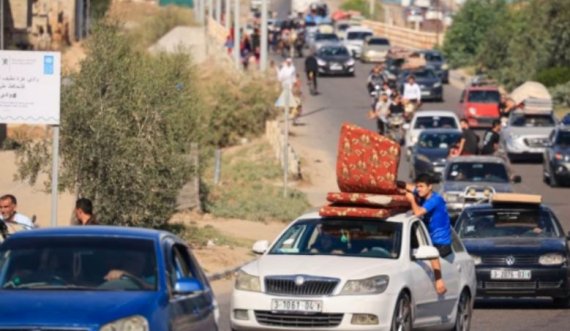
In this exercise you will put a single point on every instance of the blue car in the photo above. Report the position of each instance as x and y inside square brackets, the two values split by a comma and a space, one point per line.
[102, 278]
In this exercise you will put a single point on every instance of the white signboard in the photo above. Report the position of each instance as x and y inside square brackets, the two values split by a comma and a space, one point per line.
[30, 87]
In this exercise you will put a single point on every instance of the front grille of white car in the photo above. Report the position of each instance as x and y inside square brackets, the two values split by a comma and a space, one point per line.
[519, 285]
[300, 285]
[298, 320]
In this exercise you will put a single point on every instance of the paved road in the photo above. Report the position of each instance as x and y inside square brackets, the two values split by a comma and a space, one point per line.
[345, 99]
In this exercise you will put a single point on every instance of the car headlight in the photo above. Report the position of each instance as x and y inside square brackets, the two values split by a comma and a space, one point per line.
[476, 259]
[436, 85]
[373, 285]
[444, 66]
[136, 322]
[472, 111]
[451, 197]
[321, 62]
[247, 282]
[350, 62]
[552, 259]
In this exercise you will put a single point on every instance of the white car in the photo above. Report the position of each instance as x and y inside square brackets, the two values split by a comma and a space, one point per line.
[354, 39]
[352, 274]
[429, 119]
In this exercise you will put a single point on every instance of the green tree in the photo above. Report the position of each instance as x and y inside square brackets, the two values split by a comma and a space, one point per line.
[127, 119]
[470, 27]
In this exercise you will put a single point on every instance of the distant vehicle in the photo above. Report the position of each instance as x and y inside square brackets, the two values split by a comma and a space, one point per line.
[429, 119]
[324, 39]
[526, 135]
[352, 274]
[556, 160]
[354, 39]
[429, 82]
[103, 278]
[520, 249]
[480, 105]
[565, 120]
[335, 60]
[342, 26]
[429, 154]
[469, 180]
[436, 61]
[375, 49]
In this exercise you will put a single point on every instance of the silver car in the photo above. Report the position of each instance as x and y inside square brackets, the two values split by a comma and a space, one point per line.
[526, 135]
[468, 180]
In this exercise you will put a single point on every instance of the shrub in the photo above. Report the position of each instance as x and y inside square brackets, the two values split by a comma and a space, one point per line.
[561, 94]
[554, 76]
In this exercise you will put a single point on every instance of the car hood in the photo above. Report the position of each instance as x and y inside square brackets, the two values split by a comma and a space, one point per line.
[68, 308]
[461, 186]
[320, 265]
[433, 154]
[515, 246]
[341, 58]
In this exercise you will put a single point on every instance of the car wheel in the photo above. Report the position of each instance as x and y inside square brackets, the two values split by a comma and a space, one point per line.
[561, 302]
[402, 318]
[464, 313]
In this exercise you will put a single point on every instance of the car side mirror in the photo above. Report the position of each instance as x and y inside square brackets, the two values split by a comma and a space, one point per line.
[260, 247]
[426, 253]
[187, 285]
[517, 179]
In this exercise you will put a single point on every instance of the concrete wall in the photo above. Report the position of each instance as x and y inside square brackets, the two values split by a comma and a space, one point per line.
[276, 137]
[404, 37]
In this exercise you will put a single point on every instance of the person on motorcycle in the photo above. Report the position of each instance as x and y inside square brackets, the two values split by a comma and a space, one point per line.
[397, 107]
[412, 97]
[375, 79]
[312, 70]
[382, 112]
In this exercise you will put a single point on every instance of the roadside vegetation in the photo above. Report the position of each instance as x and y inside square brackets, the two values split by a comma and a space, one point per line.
[363, 7]
[514, 42]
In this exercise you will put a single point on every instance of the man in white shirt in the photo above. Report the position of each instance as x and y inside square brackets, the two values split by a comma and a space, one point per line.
[13, 220]
[287, 74]
[412, 91]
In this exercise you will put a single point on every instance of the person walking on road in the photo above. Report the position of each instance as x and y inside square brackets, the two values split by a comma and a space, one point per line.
[13, 220]
[287, 74]
[469, 140]
[432, 208]
[84, 212]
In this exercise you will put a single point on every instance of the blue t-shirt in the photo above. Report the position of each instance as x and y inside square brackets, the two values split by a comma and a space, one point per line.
[437, 219]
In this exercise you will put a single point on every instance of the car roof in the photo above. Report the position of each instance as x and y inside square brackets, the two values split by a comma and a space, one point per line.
[92, 231]
[432, 113]
[358, 29]
[476, 158]
[399, 218]
[487, 205]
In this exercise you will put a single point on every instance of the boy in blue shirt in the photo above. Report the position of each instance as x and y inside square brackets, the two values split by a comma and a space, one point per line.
[432, 208]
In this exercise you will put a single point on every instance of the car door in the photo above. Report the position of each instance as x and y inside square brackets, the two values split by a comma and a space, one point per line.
[188, 312]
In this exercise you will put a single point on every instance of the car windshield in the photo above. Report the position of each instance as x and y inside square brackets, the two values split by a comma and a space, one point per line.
[326, 36]
[84, 263]
[528, 120]
[438, 140]
[343, 27]
[507, 222]
[379, 42]
[420, 74]
[360, 35]
[563, 138]
[433, 57]
[434, 122]
[484, 96]
[349, 237]
[333, 51]
[477, 172]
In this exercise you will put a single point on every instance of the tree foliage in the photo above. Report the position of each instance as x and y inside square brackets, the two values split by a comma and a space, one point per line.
[127, 119]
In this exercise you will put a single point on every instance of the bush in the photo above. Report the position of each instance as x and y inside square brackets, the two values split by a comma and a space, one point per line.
[151, 30]
[561, 94]
[554, 76]
[363, 7]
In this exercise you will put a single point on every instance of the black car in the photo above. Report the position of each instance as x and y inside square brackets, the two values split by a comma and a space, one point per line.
[335, 60]
[519, 248]
[437, 62]
[427, 79]
[429, 154]
[556, 165]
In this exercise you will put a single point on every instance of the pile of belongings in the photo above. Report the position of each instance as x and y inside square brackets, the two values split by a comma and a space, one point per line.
[366, 170]
[534, 96]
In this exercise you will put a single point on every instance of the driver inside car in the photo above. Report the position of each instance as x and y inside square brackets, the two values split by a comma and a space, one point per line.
[325, 243]
[132, 268]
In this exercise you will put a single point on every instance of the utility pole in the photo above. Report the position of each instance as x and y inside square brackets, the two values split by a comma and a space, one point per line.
[237, 37]
[264, 37]
[2, 24]
[228, 20]
[219, 11]
[202, 11]
[371, 10]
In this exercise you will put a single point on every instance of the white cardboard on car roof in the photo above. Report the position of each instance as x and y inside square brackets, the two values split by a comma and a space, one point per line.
[535, 97]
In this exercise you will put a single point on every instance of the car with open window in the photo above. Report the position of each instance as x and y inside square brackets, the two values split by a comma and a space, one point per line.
[101, 278]
[519, 246]
[430, 153]
[346, 273]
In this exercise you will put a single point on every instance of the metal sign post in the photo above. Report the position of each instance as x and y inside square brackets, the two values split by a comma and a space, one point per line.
[54, 174]
[286, 101]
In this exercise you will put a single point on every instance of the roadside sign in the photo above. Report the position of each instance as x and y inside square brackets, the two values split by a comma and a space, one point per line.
[30, 87]
[282, 100]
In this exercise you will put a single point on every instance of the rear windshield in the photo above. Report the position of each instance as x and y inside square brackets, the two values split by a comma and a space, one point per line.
[489, 223]
[433, 57]
[522, 120]
[477, 172]
[380, 42]
[357, 35]
[563, 138]
[326, 36]
[438, 140]
[484, 97]
[428, 122]
[333, 51]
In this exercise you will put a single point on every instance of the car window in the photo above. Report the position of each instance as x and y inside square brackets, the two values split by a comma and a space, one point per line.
[358, 35]
[326, 36]
[433, 122]
[524, 120]
[418, 237]
[438, 140]
[379, 42]
[484, 97]
[349, 237]
[563, 138]
[77, 264]
[333, 51]
[456, 243]
[433, 57]
[477, 172]
[180, 264]
[507, 222]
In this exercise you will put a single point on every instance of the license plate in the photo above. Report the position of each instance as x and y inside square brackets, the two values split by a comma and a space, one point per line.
[336, 67]
[312, 306]
[510, 274]
[425, 93]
